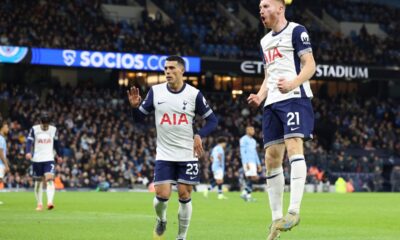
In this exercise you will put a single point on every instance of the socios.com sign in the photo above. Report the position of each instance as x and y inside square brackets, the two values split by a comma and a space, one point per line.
[91, 59]
[115, 60]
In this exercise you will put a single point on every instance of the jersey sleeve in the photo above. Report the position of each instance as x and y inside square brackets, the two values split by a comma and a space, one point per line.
[2, 143]
[202, 108]
[29, 142]
[243, 150]
[262, 55]
[147, 105]
[301, 40]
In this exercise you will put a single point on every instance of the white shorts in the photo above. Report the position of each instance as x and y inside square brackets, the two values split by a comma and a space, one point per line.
[252, 171]
[2, 170]
[219, 174]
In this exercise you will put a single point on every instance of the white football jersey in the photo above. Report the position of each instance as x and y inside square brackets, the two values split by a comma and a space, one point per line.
[281, 55]
[174, 114]
[43, 143]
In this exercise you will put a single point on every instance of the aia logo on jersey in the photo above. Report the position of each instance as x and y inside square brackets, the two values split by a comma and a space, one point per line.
[271, 55]
[174, 119]
[44, 140]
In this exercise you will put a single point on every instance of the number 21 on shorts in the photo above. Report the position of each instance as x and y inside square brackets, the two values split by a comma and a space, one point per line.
[293, 118]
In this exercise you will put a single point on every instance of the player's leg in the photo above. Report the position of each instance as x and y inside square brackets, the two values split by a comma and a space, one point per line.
[299, 119]
[275, 180]
[275, 185]
[164, 176]
[298, 174]
[213, 183]
[274, 152]
[251, 177]
[2, 173]
[49, 169]
[185, 209]
[37, 174]
[160, 204]
[219, 179]
[188, 175]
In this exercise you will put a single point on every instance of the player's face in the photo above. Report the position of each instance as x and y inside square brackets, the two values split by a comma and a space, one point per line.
[5, 129]
[250, 131]
[269, 12]
[173, 72]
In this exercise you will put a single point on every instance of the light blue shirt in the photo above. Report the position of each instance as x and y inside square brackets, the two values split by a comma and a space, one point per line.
[218, 156]
[3, 145]
[248, 150]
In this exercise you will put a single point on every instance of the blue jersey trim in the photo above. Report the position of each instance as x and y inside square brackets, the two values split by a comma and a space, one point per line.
[181, 90]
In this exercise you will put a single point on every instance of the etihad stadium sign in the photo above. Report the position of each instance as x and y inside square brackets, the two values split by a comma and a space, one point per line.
[339, 71]
[322, 71]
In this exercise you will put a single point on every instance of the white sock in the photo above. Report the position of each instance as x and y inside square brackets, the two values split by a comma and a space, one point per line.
[160, 205]
[39, 192]
[298, 174]
[275, 187]
[51, 189]
[184, 216]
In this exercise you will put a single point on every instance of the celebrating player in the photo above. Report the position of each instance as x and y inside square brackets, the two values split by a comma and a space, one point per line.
[288, 117]
[175, 104]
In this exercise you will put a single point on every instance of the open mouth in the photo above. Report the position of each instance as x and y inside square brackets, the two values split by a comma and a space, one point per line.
[262, 18]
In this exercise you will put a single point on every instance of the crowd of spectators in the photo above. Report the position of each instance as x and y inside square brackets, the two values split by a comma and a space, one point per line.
[198, 28]
[82, 25]
[100, 142]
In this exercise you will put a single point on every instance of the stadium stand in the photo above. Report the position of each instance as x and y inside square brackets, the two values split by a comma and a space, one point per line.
[100, 143]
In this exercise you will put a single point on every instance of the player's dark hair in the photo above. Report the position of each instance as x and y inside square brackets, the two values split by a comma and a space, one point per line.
[221, 140]
[44, 117]
[176, 59]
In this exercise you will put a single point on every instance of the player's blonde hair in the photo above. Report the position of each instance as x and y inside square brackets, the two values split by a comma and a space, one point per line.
[283, 2]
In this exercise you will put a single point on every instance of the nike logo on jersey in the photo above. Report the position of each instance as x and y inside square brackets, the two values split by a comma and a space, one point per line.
[160, 103]
[293, 129]
[191, 178]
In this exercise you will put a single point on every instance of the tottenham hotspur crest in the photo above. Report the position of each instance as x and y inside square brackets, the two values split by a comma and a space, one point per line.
[184, 105]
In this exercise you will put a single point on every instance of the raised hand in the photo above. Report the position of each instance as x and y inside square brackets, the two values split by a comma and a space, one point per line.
[134, 97]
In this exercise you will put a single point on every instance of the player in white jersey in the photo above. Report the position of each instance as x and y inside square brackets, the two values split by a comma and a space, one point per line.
[288, 117]
[250, 161]
[175, 104]
[43, 140]
[4, 165]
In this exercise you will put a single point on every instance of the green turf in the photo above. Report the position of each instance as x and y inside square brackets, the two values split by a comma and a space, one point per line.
[95, 215]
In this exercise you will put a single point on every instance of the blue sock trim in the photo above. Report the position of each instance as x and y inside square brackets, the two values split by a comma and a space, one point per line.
[269, 177]
[161, 199]
[297, 159]
[184, 201]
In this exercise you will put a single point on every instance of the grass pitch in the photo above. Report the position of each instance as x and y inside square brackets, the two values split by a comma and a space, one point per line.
[128, 215]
